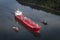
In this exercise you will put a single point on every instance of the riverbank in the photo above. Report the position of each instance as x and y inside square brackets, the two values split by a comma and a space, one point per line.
[40, 7]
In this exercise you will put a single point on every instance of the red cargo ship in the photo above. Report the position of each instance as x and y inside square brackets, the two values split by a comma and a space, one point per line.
[27, 22]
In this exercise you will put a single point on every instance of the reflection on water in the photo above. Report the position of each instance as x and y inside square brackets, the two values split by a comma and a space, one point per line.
[7, 21]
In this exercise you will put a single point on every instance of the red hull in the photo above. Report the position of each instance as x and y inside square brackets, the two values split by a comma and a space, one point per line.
[28, 23]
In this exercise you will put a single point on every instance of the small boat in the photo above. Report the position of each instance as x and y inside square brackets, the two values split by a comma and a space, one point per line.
[27, 22]
[44, 22]
[16, 29]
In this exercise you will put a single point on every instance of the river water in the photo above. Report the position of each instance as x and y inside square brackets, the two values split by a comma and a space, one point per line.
[7, 21]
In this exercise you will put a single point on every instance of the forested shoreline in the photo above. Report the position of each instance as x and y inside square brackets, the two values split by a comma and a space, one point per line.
[53, 5]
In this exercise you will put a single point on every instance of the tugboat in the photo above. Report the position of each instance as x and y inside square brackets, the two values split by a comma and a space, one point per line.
[44, 22]
[16, 29]
[27, 22]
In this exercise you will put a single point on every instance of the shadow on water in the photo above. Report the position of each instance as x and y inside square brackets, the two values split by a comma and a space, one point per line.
[38, 7]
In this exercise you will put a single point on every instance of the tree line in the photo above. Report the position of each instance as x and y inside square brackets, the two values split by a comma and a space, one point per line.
[50, 3]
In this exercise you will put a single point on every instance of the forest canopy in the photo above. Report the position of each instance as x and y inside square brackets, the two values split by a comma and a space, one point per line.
[50, 3]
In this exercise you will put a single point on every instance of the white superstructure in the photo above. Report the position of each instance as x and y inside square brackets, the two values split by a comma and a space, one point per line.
[18, 12]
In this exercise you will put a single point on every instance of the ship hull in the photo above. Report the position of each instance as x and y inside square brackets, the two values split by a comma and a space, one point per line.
[27, 26]
[28, 23]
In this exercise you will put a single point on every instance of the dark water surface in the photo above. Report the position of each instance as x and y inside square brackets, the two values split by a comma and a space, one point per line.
[7, 21]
